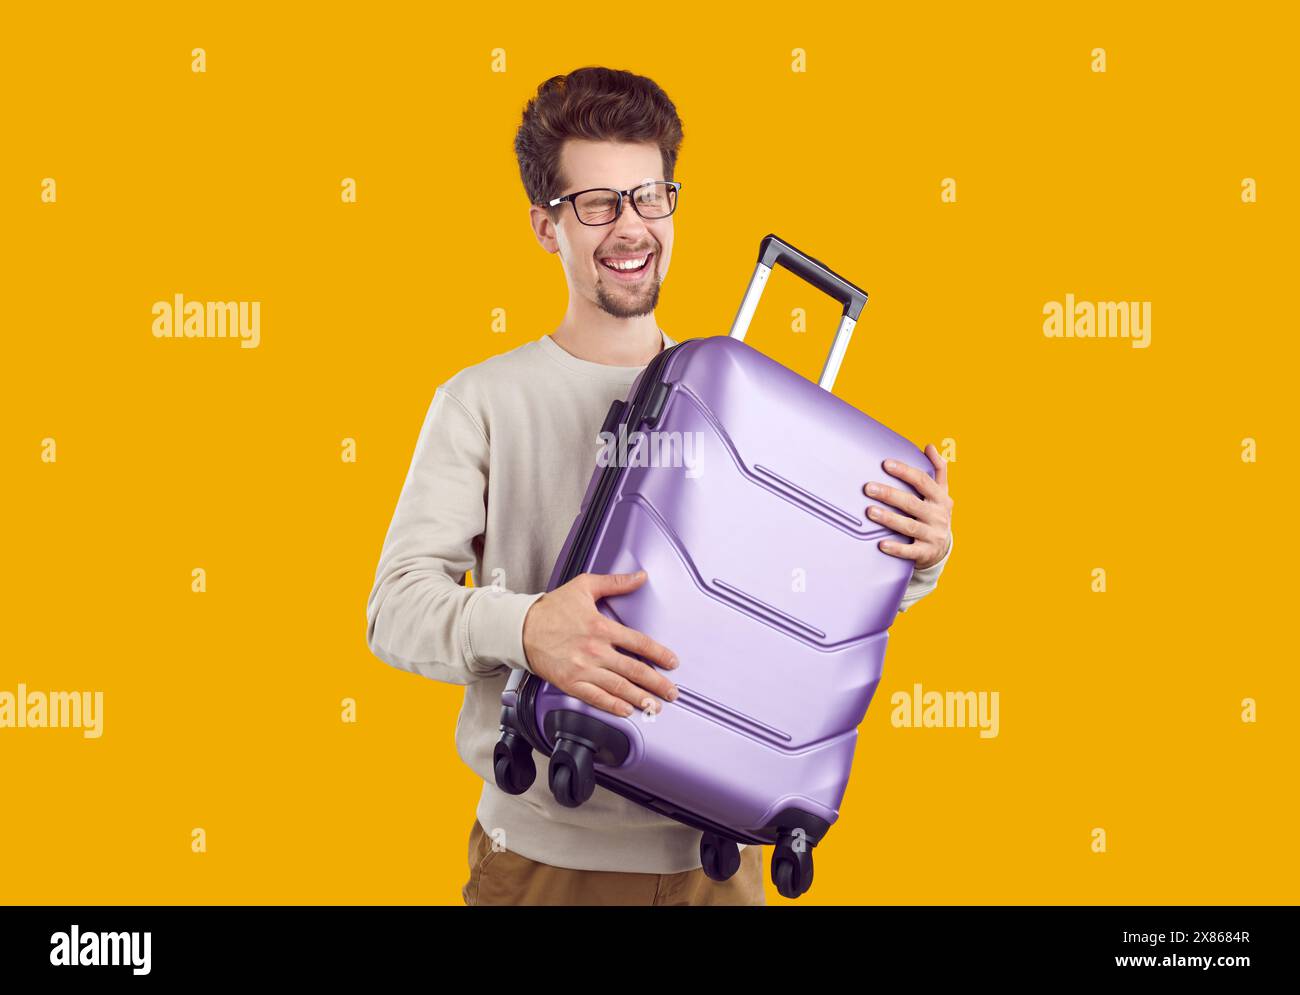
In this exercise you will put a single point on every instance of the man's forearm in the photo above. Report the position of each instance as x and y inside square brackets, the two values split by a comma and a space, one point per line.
[419, 616]
[421, 621]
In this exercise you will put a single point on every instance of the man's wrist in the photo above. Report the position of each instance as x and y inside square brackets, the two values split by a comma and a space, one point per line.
[939, 563]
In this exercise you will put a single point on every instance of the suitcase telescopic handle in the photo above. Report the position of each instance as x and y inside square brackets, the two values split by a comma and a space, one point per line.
[774, 251]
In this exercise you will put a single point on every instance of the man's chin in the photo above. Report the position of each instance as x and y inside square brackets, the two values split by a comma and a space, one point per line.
[622, 307]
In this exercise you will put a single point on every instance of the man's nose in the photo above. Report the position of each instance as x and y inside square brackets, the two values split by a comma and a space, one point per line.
[629, 222]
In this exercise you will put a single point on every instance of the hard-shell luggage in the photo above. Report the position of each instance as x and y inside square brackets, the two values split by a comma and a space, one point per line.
[764, 577]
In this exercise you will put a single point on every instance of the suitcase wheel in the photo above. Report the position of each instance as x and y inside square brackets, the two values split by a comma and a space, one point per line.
[572, 772]
[512, 761]
[792, 866]
[720, 857]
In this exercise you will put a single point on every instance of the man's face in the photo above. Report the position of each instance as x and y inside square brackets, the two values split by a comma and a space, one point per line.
[586, 251]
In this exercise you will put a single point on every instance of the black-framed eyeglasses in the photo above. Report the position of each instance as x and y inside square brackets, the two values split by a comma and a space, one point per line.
[603, 205]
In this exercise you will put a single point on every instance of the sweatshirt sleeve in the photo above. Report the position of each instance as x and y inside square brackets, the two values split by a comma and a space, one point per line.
[924, 581]
[420, 616]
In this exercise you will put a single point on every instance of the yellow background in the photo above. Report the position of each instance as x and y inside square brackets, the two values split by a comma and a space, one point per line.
[222, 710]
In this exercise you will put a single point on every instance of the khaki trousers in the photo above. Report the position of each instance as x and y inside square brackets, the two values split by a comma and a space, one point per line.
[503, 877]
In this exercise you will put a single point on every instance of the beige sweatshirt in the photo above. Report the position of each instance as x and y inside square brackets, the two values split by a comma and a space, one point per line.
[499, 470]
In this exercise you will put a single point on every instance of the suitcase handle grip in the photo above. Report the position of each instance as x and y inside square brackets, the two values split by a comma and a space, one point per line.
[774, 251]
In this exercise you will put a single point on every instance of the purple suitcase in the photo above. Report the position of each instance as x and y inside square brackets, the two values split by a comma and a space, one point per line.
[764, 577]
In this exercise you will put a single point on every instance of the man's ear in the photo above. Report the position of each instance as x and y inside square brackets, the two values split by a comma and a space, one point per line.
[543, 229]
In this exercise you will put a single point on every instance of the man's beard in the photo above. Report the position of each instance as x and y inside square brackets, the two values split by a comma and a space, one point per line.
[621, 307]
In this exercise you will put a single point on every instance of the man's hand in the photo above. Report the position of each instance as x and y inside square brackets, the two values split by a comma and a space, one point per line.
[572, 645]
[930, 524]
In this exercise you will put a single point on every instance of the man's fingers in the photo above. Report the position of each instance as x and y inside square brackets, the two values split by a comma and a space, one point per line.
[940, 465]
[901, 524]
[903, 550]
[640, 644]
[640, 674]
[923, 531]
[918, 479]
[593, 695]
[607, 585]
[621, 688]
[909, 503]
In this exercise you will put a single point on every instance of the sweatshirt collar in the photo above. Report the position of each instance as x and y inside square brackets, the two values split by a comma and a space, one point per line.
[603, 371]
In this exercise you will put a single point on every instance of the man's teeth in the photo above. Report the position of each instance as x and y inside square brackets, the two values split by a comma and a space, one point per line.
[626, 264]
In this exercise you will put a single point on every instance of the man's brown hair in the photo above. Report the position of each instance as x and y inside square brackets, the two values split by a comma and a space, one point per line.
[595, 104]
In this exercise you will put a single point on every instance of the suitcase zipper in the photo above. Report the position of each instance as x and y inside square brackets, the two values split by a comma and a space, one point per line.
[635, 411]
[650, 392]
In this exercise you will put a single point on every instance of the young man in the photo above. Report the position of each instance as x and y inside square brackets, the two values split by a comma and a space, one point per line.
[502, 461]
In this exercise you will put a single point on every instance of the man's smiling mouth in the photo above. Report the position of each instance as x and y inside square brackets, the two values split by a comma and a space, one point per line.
[627, 267]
